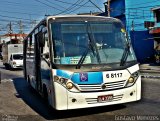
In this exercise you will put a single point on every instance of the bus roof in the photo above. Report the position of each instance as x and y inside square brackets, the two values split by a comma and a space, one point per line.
[75, 18]
[82, 16]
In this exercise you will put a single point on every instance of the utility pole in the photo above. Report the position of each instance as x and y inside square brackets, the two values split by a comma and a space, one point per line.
[20, 27]
[10, 31]
[108, 8]
[10, 28]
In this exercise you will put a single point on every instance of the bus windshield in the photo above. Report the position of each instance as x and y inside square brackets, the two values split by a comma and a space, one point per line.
[80, 43]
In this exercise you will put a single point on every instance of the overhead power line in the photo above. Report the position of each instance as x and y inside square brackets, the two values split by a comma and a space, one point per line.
[69, 8]
[48, 5]
[17, 3]
[78, 7]
[73, 8]
[55, 4]
[72, 3]
[19, 12]
[25, 19]
[96, 6]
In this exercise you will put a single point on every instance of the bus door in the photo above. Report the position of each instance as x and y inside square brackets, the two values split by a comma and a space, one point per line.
[38, 61]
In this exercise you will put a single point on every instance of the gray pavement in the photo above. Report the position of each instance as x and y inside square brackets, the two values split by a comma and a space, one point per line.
[150, 70]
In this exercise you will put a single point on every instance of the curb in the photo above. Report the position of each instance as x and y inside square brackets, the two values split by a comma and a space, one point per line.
[149, 76]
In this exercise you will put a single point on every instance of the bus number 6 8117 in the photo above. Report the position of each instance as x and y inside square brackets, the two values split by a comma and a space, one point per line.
[114, 75]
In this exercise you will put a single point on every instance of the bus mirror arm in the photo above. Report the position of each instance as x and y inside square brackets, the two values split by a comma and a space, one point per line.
[47, 56]
[44, 58]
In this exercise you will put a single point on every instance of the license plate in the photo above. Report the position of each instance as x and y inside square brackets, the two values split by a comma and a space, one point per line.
[105, 98]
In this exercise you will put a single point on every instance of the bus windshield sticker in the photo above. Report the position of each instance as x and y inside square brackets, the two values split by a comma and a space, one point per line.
[74, 60]
[83, 77]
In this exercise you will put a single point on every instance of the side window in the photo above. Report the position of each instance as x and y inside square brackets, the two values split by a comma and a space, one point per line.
[45, 51]
[30, 46]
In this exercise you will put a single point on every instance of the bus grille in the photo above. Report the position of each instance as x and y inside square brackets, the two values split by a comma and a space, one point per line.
[108, 86]
[95, 100]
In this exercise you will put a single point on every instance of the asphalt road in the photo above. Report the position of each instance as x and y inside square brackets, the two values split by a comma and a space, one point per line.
[20, 103]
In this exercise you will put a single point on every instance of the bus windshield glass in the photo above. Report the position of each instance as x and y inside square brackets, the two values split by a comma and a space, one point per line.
[81, 43]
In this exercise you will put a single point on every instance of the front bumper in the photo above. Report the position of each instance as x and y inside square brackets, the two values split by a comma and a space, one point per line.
[17, 66]
[90, 99]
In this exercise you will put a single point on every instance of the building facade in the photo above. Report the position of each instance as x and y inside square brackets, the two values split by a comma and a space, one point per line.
[135, 14]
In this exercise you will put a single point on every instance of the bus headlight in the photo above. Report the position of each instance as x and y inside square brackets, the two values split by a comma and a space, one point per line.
[56, 78]
[60, 79]
[132, 79]
[14, 62]
[69, 85]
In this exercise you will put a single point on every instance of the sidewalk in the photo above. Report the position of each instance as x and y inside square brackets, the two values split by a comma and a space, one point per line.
[150, 66]
[150, 70]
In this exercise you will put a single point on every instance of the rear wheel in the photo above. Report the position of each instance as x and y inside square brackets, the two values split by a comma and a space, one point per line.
[28, 80]
[29, 83]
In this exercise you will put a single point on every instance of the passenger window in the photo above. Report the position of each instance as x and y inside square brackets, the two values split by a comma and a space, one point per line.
[45, 49]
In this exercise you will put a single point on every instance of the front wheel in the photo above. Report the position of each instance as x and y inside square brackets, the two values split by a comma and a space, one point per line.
[46, 100]
[45, 94]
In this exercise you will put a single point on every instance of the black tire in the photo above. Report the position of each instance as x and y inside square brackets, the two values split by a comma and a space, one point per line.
[7, 66]
[29, 84]
[45, 94]
[46, 101]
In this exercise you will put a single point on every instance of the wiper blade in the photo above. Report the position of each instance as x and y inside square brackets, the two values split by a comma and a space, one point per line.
[92, 46]
[125, 54]
[89, 47]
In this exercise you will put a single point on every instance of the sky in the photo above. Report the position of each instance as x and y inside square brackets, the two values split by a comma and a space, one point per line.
[28, 12]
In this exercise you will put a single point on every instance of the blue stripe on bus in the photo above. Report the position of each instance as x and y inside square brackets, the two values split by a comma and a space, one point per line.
[91, 78]
[83, 78]
[63, 73]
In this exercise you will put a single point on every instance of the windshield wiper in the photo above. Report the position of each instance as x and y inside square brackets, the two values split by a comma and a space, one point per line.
[92, 46]
[125, 54]
[89, 47]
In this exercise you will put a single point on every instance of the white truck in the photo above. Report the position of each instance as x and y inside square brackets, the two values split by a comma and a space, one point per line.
[12, 55]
